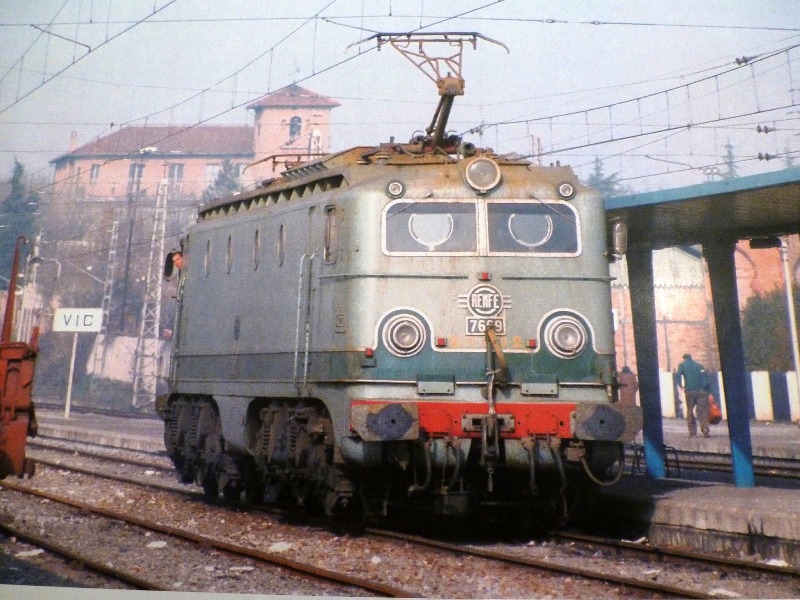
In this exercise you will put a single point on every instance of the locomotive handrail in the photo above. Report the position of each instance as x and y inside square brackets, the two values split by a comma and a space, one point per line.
[301, 299]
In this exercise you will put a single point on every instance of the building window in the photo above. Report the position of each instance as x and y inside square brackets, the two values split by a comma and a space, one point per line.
[315, 143]
[175, 172]
[211, 172]
[94, 173]
[295, 124]
[135, 172]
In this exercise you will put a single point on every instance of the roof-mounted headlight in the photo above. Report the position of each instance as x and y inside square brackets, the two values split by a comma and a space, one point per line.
[566, 190]
[482, 174]
[395, 189]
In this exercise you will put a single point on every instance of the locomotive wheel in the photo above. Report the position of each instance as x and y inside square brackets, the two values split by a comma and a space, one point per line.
[252, 484]
[208, 480]
[272, 490]
[232, 491]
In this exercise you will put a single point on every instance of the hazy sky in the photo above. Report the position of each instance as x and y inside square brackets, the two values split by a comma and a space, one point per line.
[578, 75]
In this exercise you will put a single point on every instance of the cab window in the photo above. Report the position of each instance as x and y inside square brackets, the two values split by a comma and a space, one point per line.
[532, 228]
[440, 227]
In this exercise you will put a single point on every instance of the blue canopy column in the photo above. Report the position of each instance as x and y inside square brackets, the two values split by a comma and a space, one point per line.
[643, 310]
[722, 272]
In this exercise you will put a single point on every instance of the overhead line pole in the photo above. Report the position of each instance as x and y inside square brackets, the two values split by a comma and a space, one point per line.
[147, 363]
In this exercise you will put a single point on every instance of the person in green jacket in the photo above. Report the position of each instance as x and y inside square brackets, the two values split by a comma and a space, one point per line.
[693, 380]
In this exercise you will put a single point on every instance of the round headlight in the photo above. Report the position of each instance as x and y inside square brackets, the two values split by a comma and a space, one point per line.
[395, 189]
[404, 335]
[566, 190]
[482, 174]
[565, 336]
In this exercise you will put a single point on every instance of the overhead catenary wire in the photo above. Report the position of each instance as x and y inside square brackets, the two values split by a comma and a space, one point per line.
[517, 19]
[77, 60]
[463, 16]
[241, 104]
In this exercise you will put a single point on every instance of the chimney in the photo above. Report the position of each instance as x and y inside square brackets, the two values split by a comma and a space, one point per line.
[73, 141]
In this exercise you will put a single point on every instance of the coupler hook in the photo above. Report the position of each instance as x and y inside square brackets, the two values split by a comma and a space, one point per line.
[490, 429]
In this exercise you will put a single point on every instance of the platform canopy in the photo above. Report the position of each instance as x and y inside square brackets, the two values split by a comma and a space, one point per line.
[737, 208]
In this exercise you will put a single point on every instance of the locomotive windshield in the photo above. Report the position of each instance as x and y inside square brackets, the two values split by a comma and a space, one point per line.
[457, 228]
[543, 227]
[448, 227]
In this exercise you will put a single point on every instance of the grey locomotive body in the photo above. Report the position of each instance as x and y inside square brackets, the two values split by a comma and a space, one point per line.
[390, 325]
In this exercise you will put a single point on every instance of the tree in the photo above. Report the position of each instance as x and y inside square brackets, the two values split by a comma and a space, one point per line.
[788, 157]
[227, 182]
[17, 217]
[607, 185]
[730, 162]
[765, 332]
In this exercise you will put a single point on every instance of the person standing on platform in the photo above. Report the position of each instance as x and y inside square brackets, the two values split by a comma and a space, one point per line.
[692, 379]
[628, 386]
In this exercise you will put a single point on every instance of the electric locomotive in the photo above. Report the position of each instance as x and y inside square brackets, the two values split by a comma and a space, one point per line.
[423, 324]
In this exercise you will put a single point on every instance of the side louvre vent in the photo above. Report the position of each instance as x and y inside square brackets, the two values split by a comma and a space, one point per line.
[237, 205]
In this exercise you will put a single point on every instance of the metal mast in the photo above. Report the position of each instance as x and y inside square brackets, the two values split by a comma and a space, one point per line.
[147, 363]
[101, 343]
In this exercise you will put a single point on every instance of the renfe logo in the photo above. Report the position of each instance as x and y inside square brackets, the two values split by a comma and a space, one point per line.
[78, 320]
[484, 301]
[486, 304]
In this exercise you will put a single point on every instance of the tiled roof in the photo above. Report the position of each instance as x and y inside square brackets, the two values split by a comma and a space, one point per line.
[293, 95]
[170, 139]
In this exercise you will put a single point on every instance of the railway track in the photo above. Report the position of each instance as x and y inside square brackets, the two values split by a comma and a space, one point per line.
[342, 584]
[126, 578]
[641, 576]
[615, 572]
[625, 547]
[680, 461]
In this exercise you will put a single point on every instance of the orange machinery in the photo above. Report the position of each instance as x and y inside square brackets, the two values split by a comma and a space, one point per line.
[17, 363]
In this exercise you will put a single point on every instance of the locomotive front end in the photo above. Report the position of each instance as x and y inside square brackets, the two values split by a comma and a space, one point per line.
[487, 374]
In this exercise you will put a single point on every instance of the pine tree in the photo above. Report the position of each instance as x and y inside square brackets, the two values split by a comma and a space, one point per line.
[227, 182]
[788, 157]
[730, 162]
[608, 185]
[17, 217]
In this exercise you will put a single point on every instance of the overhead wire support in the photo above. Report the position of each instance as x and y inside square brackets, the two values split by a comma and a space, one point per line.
[101, 340]
[147, 362]
[88, 48]
[77, 60]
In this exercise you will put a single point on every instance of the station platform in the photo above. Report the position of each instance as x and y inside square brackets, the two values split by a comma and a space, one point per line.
[762, 522]
[146, 435]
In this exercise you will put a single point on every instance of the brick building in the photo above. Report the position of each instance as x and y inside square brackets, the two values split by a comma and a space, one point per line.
[290, 125]
[684, 310]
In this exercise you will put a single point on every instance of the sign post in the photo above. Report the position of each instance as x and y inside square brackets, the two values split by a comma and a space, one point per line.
[76, 320]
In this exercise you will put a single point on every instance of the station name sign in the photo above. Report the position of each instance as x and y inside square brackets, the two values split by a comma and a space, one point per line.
[79, 320]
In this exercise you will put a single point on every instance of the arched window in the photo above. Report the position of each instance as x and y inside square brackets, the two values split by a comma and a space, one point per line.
[294, 127]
